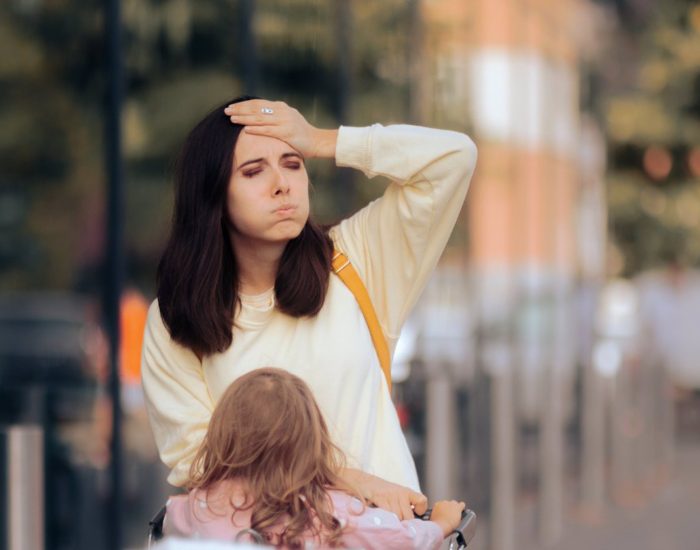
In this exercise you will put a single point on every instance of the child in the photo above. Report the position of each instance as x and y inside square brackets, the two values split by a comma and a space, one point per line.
[267, 463]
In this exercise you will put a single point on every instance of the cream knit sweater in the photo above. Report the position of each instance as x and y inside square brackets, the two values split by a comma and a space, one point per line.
[394, 244]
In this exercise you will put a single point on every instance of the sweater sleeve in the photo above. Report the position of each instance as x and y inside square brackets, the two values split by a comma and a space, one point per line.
[381, 530]
[394, 243]
[177, 398]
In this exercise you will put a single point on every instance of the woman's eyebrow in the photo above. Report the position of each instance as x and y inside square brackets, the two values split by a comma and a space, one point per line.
[292, 154]
[252, 161]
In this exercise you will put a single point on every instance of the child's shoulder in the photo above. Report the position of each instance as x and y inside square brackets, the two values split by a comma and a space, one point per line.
[207, 513]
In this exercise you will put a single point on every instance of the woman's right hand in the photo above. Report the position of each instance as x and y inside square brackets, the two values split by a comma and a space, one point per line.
[447, 514]
[386, 495]
[278, 120]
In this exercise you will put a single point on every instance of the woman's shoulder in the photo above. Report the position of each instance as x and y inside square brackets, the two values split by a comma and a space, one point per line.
[155, 322]
[155, 325]
[154, 315]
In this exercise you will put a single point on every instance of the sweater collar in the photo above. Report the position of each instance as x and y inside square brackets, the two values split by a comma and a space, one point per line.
[255, 310]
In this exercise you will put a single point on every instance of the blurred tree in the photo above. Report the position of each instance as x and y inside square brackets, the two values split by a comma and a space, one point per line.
[336, 62]
[46, 138]
[651, 106]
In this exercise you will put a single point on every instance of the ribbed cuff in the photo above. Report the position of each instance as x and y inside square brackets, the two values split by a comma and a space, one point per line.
[352, 147]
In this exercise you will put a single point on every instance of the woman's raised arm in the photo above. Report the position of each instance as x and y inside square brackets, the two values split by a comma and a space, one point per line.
[396, 241]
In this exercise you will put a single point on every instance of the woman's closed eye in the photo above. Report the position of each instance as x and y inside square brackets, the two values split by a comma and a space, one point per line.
[252, 171]
[255, 170]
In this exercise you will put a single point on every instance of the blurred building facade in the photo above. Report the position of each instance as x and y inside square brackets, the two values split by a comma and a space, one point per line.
[512, 72]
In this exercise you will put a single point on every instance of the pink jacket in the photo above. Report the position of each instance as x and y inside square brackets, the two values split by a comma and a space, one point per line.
[371, 528]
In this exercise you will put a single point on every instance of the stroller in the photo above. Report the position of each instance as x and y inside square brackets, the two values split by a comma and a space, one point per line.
[458, 540]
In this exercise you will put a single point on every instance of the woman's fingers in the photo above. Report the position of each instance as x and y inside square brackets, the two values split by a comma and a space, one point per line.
[402, 507]
[255, 107]
[419, 503]
[389, 496]
[405, 506]
[279, 120]
[397, 506]
[401, 501]
[388, 501]
[251, 119]
[257, 120]
[262, 112]
[267, 130]
[383, 502]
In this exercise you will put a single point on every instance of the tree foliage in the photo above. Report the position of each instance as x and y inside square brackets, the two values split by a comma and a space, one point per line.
[181, 58]
[651, 99]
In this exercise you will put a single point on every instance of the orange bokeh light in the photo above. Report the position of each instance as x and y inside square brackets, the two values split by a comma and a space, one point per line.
[694, 161]
[657, 162]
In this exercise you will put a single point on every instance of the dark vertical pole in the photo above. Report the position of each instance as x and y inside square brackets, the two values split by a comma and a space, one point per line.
[343, 26]
[114, 264]
[414, 56]
[249, 51]
[343, 35]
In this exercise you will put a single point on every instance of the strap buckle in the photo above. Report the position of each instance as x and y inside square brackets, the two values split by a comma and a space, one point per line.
[340, 268]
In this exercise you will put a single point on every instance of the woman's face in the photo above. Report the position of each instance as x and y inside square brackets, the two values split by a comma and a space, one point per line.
[268, 194]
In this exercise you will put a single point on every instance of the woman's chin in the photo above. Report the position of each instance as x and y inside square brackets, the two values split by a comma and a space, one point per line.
[287, 233]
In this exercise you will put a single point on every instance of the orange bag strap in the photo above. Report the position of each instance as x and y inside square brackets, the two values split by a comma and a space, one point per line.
[347, 273]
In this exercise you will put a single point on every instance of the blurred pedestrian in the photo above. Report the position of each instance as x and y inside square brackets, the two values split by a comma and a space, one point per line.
[670, 305]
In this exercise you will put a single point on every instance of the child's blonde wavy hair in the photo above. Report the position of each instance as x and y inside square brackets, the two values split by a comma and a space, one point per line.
[268, 431]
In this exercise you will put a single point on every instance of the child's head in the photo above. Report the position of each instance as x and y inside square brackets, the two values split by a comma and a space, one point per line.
[268, 432]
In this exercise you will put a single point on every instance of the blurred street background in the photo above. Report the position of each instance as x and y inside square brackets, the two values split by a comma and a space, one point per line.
[550, 375]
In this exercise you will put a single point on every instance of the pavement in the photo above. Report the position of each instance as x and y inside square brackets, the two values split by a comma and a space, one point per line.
[670, 520]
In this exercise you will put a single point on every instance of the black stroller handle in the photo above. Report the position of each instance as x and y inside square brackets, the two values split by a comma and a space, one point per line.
[466, 529]
[155, 527]
[464, 532]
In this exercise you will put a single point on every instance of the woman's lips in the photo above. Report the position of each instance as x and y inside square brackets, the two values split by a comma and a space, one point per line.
[285, 209]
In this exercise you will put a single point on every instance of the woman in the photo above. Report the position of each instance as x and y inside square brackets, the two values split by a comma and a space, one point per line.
[245, 280]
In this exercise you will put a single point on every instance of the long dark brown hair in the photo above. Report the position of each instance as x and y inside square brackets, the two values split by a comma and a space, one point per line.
[268, 432]
[197, 275]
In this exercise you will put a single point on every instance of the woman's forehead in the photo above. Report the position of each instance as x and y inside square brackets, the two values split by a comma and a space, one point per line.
[249, 147]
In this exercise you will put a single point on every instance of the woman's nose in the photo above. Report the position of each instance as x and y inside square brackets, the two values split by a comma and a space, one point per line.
[281, 185]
